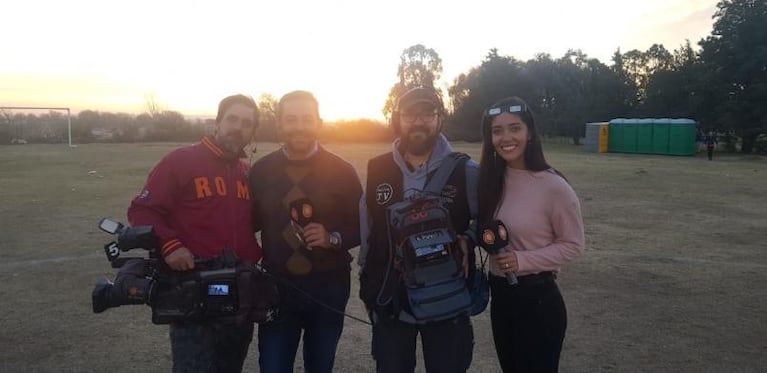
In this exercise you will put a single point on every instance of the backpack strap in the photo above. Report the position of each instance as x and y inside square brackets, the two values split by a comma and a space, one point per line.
[440, 177]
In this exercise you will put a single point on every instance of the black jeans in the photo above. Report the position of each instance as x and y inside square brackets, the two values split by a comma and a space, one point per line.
[210, 347]
[447, 345]
[529, 322]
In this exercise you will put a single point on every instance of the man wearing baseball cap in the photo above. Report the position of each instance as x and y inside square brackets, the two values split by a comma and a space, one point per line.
[417, 154]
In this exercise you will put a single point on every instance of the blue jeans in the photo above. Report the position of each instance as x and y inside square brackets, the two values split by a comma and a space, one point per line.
[278, 341]
[209, 347]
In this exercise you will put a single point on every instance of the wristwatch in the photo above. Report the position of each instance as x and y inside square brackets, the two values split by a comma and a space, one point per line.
[335, 240]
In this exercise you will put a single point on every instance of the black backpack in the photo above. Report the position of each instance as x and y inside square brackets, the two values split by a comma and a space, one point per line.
[426, 252]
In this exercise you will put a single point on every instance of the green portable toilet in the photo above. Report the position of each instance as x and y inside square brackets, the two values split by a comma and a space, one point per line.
[660, 128]
[630, 127]
[644, 136]
[681, 137]
[615, 135]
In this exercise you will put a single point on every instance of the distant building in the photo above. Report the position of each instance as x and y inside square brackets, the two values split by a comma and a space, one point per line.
[102, 134]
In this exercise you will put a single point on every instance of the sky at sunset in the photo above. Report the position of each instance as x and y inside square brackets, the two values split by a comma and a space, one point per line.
[187, 55]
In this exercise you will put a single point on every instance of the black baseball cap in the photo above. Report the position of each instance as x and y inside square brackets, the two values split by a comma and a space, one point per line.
[418, 95]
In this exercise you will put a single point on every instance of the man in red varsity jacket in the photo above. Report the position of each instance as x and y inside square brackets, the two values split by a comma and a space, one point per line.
[198, 202]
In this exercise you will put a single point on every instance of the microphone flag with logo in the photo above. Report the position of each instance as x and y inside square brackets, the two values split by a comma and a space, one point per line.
[301, 214]
[302, 211]
[494, 237]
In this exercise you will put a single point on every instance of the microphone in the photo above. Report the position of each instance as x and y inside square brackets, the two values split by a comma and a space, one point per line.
[302, 211]
[494, 239]
[301, 214]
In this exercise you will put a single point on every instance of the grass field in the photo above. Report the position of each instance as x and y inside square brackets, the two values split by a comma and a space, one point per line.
[673, 278]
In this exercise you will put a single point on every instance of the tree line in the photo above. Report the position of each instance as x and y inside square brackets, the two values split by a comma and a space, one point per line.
[90, 126]
[722, 85]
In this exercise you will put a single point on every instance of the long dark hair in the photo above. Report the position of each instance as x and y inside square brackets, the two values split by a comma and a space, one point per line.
[492, 167]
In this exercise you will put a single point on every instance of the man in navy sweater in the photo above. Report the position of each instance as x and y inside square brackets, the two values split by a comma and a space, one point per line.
[308, 246]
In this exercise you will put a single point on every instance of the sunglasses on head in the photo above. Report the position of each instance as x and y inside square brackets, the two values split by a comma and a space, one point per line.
[513, 109]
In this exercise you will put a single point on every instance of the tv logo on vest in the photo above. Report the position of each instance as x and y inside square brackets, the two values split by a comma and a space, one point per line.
[384, 193]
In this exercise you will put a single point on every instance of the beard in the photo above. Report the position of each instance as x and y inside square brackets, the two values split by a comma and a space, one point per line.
[231, 143]
[421, 145]
[299, 142]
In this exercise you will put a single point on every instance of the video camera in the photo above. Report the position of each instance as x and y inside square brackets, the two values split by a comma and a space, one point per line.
[218, 288]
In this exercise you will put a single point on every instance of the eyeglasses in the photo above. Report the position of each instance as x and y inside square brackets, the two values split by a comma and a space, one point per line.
[425, 117]
[513, 109]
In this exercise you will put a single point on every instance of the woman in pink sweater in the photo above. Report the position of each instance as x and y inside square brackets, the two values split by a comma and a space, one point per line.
[545, 230]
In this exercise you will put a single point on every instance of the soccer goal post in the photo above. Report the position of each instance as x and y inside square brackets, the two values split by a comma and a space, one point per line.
[29, 108]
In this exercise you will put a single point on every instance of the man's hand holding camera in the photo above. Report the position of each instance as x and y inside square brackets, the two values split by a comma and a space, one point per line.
[180, 259]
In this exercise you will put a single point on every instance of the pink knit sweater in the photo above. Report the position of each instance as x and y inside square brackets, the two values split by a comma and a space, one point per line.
[543, 217]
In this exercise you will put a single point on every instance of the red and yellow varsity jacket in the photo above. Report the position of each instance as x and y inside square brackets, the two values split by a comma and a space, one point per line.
[196, 198]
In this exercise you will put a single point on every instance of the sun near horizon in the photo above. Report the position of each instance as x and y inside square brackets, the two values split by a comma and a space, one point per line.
[89, 93]
[189, 55]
